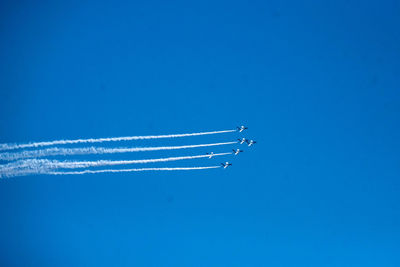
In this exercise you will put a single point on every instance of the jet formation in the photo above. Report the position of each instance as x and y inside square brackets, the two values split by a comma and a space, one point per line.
[236, 152]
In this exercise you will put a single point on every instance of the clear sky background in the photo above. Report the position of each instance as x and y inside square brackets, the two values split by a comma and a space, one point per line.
[316, 82]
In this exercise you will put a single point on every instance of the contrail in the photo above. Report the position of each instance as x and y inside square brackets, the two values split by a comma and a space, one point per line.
[133, 170]
[55, 151]
[100, 140]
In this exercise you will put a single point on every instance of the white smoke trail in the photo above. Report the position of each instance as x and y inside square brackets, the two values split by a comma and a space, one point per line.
[132, 170]
[86, 164]
[55, 151]
[23, 167]
[100, 140]
[31, 168]
[38, 166]
[55, 164]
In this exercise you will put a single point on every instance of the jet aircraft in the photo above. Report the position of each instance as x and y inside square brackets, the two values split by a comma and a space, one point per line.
[237, 151]
[210, 155]
[241, 141]
[251, 142]
[226, 164]
[241, 128]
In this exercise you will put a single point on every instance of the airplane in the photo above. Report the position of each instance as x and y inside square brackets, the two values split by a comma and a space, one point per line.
[237, 151]
[241, 128]
[210, 155]
[241, 141]
[251, 142]
[226, 164]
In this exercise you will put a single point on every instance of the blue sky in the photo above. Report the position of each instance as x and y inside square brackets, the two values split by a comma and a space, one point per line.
[316, 82]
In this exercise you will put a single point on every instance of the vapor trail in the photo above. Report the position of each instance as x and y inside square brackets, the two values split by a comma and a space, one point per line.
[134, 170]
[100, 140]
[55, 151]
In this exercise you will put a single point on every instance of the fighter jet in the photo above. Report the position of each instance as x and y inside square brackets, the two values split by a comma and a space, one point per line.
[241, 128]
[237, 151]
[226, 164]
[210, 155]
[241, 141]
[251, 142]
